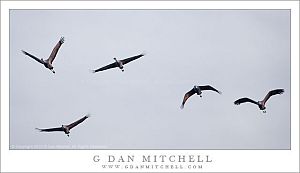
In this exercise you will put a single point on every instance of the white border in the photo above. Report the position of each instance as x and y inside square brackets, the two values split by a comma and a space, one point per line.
[82, 160]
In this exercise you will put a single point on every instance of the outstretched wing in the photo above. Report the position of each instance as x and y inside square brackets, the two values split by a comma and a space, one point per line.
[70, 126]
[127, 60]
[243, 100]
[55, 50]
[112, 65]
[186, 96]
[51, 129]
[32, 56]
[271, 93]
[208, 87]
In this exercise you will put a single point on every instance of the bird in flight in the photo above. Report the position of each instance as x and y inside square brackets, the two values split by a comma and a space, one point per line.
[48, 62]
[261, 104]
[118, 63]
[65, 128]
[198, 90]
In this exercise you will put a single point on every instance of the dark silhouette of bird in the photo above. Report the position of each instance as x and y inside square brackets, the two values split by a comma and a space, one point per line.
[118, 63]
[261, 104]
[65, 128]
[48, 62]
[198, 90]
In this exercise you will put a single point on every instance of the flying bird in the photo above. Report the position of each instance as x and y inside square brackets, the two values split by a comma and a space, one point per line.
[65, 128]
[48, 62]
[198, 90]
[118, 63]
[261, 104]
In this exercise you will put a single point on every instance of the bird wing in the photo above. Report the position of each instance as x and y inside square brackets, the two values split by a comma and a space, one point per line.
[271, 93]
[208, 87]
[112, 65]
[243, 100]
[70, 126]
[55, 50]
[51, 129]
[32, 56]
[127, 60]
[186, 96]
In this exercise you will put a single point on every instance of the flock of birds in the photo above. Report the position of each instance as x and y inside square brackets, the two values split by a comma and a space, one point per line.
[120, 64]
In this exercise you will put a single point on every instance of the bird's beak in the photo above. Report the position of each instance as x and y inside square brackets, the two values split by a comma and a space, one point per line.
[52, 71]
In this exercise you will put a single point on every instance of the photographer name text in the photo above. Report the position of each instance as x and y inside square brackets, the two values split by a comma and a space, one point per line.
[153, 158]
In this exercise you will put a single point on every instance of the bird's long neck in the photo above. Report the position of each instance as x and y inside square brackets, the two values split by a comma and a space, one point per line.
[116, 60]
[119, 64]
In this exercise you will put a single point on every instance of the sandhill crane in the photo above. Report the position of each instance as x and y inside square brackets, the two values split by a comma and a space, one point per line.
[119, 63]
[65, 128]
[261, 104]
[48, 62]
[198, 90]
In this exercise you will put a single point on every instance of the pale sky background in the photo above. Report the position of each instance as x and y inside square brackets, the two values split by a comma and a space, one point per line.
[243, 53]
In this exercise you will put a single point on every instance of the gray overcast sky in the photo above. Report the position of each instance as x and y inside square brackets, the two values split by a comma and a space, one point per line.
[243, 53]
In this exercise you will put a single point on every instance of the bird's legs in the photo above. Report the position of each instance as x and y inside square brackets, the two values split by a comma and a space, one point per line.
[199, 94]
